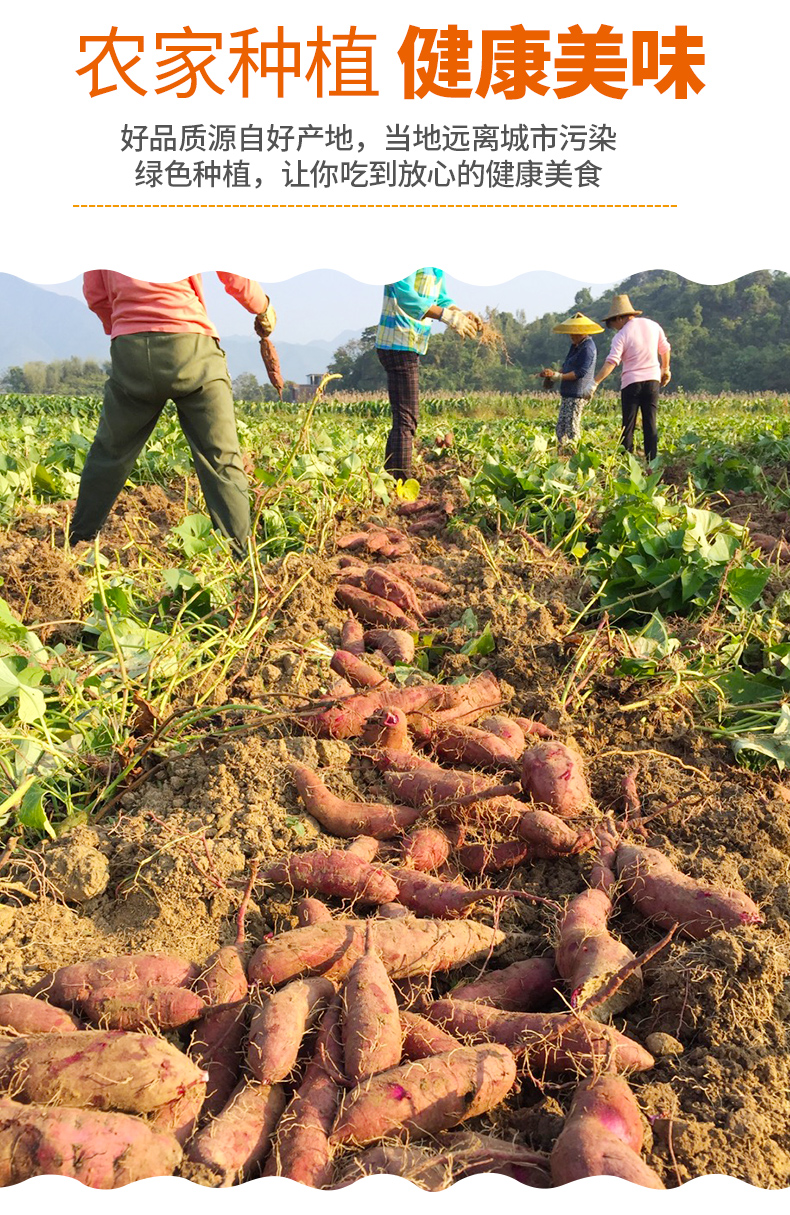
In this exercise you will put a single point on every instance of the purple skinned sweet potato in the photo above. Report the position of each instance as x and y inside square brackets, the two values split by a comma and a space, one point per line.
[522, 987]
[235, 1143]
[588, 955]
[21, 1014]
[602, 1136]
[279, 1024]
[553, 775]
[69, 985]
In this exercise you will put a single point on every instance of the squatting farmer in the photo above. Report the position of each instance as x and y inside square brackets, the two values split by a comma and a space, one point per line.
[408, 309]
[165, 348]
[576, 378]
[642, 348]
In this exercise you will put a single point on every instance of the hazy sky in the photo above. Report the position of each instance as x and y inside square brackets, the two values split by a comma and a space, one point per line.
[324, 303]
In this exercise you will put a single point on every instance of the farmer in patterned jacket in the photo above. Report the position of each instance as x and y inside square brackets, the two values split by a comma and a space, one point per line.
[404, 329]
[164, 347]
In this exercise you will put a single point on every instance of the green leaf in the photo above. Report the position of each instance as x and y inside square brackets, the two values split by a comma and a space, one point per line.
[32, 705]
[31, 812]
[745, 586]
[480, 646]
[194, 532]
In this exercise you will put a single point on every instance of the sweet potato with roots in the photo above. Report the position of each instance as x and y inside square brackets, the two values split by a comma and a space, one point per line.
[395, 644]
[522, 987]
[301, 1149]
[530, 727]
[340, 874]
[312, 911]
[131, 1007]
[103, 1151]
[235, 1143]
[426, 1096]
[464, 744]
[348, 720]
[664, 895]
[366, 847]
[602, 1136]
[422, 1039]
[279, 1024]
[380, 581]
[352, 637]
[413, 947]
[426, 849]
[349, 819]
[372, 609]
[426, 895]
[588, 955]
[493, 857]
[21, 1014]
[553, 775]
[97, 1069]
[358, 673]
[371, 1021]
[547, 1044]
[508, 729]
[416, 1164]
[459, 702]
[72, 984]
[181, 1116]
[469, 1153]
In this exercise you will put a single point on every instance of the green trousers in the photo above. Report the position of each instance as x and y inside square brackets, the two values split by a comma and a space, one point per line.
[148, 370]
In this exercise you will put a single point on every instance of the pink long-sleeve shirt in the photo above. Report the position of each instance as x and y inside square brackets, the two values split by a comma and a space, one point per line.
[639, 346]
[131, 305]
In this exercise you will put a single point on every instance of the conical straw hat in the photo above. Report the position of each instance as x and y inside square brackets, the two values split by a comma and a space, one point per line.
[621, 306]
[579, 323]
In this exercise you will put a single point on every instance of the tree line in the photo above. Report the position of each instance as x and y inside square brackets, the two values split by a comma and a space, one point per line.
[727, 337]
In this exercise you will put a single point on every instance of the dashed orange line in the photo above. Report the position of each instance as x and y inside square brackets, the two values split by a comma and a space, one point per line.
[369, 206]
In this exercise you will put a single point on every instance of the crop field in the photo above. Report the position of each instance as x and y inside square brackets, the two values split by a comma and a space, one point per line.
[154, 696]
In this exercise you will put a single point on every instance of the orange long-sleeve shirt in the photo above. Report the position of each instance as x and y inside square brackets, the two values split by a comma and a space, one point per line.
[131, 305]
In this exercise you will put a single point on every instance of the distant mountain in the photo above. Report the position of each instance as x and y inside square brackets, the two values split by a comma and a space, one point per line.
[38, 325]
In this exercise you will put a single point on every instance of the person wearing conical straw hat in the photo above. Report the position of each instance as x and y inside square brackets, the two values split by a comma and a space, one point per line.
[641, 346]
[576, 377]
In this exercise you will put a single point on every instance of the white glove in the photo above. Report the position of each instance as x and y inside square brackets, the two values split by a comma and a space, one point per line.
[265, 321]
[460, 321]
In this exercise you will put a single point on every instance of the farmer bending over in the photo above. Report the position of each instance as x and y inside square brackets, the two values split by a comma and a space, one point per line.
[642, 347]
[163, 348]
[404, 329]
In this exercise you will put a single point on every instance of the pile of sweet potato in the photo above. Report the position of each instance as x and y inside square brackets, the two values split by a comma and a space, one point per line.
[345, 1046]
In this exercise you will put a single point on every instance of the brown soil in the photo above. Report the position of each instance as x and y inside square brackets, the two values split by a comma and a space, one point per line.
[178, 850]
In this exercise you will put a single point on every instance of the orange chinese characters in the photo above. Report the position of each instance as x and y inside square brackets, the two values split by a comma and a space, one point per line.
[591, 61]
[286, 59]
[109, 42]
[516, 57]
[353, 76]
[178, 69]
[678, 58]
[443, 71]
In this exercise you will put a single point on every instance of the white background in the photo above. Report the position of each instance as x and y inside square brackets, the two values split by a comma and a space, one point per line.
[721, 157]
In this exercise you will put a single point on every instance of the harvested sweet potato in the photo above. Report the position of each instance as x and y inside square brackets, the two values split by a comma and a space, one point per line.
[406, 948]
[493, 858]
[301, 1148]
[72, 984]
[427, 895]
[548, 1044]
[341, 874]
[21, 1014]
[553, 775]
[426, 849]
[588, 955]
[312, 911]
[181, 1116]
[97, 1069]
[602, 1136]
[366, 847]
[129, 1006]
[395, 644]
[663, 894]
[271, 361]
[352, 637]
[217, 1038]
[374, 610]
[426, 1096]
[371, 1023]
[529, 727]
[278, 1027]
[349, 819]
[421, 1038]
[462, 744]
[235, 1143]
[358, 673]
[521, 987]
[508, 729]
[348, 720]
[104, 1151]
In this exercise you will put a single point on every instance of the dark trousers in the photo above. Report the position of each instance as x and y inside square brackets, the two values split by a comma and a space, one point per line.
[644, 396]
[403, 385]
[148, 369]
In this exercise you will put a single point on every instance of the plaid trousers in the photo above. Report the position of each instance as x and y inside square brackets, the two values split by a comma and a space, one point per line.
[403, 385]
